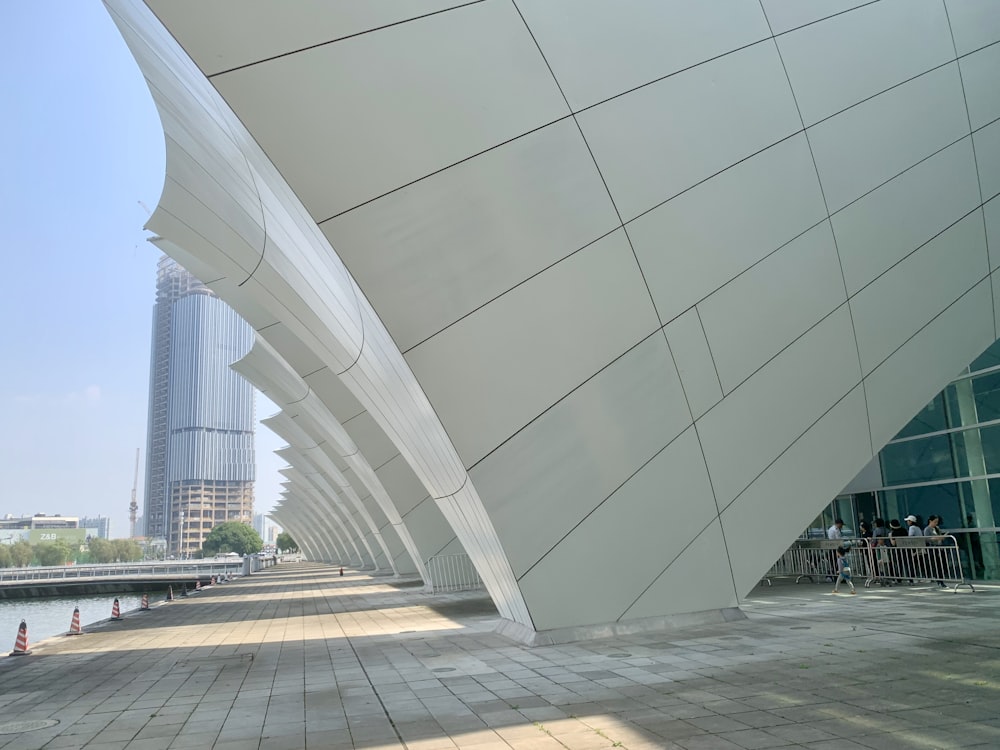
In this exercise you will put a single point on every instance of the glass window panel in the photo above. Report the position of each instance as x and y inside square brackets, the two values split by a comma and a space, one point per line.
[990, 438]
[961, 455]
[987, 394]
[989, 358]
[951, 399]
[929, 419]
[938, 499]
[923, 460]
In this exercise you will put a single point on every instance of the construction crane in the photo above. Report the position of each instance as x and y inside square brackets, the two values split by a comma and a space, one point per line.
[133, 507]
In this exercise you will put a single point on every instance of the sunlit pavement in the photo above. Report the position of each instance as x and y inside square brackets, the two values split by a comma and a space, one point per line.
[299, 657]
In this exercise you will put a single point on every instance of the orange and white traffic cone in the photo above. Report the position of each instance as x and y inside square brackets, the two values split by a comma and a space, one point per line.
[116, 613]
[170, 593]
[74, 625]
[145, 602]
[21, 644]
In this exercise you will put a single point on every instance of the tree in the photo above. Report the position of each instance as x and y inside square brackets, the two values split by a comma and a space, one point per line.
[21, 553]
[232, 536]
[101, 550]
[5, 558]
[285, 542]
[126, 550]
[58, 552]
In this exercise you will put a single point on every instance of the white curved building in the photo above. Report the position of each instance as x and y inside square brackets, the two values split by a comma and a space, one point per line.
[613, 296]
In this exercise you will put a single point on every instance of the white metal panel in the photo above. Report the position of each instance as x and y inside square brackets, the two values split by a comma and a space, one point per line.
[753, 425]
[427, 524]
[838, 62]
[434, 251]
[599, 49]
[657, 141]
[268, 29]
[992, 213]
[336, 396]
[514, 358]
[979, 76]
[975, 23]
[695, 243]
[402, 485]
[987, 143]
[549, 476]
[625, 542]
[863, 147]
[841, 437]
[299, 356]
[704, 559]
[995, 287]
[899, 387]
[371, 440]
[878, 230]
[434, 91]
[904, 299]
[785, 15]
[760, 312]
[693, 358]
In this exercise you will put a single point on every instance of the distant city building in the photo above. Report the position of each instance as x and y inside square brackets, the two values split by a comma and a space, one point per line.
[266, 528]
[39, 521]
[200, 445]
[41, 528]
[99, 526]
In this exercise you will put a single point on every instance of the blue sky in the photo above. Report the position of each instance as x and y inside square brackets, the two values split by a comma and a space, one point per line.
[82, 154]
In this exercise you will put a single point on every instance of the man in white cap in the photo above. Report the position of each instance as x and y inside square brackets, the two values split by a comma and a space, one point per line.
[914, 529]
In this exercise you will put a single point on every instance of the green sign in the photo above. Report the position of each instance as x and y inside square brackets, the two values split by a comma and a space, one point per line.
[73, 536]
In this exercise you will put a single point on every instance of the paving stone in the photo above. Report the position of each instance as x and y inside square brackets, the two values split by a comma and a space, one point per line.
[295, 657]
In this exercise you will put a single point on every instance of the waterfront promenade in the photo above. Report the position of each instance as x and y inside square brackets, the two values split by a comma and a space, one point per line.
[299, 657]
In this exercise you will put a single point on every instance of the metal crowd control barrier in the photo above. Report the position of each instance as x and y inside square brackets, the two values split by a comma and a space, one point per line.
[889, 559]
[816, 558]
[916, 558]
[452, 573]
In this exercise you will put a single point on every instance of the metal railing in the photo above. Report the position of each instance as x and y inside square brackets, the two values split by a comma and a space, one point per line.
[126, 570]
[452, 573]
[885, 560]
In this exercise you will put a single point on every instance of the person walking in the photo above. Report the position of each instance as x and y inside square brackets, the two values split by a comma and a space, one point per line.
[843, 570]
[835, 533]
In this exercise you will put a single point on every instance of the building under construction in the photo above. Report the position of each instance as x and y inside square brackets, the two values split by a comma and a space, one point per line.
[200, 445]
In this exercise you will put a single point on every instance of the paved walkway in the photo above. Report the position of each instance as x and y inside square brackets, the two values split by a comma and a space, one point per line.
[298, 657]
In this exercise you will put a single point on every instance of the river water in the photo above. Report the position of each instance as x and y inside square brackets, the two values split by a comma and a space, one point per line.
[49, 616]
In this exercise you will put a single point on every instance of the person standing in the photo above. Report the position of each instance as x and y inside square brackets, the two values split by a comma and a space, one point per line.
[914, 557]
[882, 552]
[837, 530]
[900, 562]
[933, 563]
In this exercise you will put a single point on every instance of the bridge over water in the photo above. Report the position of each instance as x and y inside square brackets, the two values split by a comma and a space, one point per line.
[64, 580]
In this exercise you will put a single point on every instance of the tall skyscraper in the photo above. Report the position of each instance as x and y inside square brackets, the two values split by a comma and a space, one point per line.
[200, 444]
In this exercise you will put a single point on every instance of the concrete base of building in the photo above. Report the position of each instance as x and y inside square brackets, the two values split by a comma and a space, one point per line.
[528, 637]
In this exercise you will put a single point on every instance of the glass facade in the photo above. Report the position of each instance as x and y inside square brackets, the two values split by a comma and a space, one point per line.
[945, 462]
